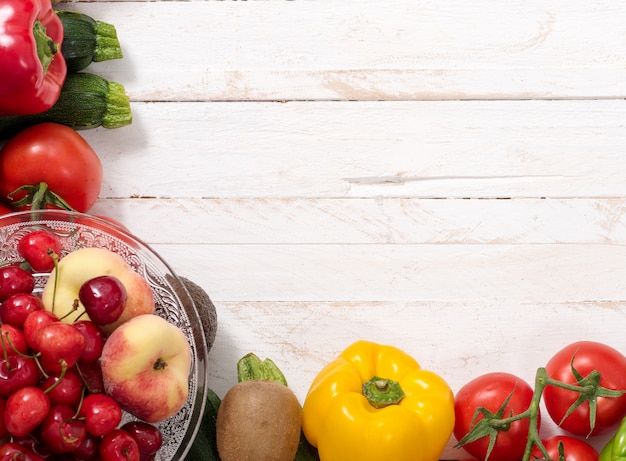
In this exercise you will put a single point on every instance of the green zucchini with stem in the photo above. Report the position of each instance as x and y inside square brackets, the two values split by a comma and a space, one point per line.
[86, 101]
[87, 40]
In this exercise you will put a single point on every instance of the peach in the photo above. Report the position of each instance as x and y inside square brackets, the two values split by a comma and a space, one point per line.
[146, 364]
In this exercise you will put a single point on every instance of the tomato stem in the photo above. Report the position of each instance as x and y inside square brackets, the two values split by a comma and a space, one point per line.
[38, 196]
[587, 387]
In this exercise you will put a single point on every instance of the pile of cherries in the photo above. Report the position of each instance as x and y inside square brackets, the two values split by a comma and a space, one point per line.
[52, 400]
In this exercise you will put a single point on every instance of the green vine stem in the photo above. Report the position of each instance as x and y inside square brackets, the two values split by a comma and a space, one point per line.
[491, 424]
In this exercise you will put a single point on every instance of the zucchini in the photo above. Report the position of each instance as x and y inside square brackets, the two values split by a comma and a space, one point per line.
[86, 40]
[204, 446]
[86, 101]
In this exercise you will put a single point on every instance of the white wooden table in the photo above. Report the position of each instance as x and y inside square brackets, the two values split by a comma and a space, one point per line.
[445, 176]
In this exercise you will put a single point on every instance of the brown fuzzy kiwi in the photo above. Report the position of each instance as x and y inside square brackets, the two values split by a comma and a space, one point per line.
[258, 421]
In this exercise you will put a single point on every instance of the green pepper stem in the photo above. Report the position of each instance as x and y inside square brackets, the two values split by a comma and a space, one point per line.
[46, 47]
[382, 392]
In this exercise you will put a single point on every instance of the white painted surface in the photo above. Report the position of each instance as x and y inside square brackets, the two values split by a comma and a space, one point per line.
[448, 177]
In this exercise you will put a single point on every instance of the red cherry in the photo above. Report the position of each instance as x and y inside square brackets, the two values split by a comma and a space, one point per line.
[119, 445]
[16, 308]
[94, 340]
[3, 429]
[148, 437]
[88, 450]
[17, 371]
[14, 451]
[91, 373]
[60, 431]
[60, 345]
[63, 389]
[13, 340]
[103, 298]
[33, 444]
[25, 409]
[14, 279]
[35, 248]
[33, 324]
[101, 413]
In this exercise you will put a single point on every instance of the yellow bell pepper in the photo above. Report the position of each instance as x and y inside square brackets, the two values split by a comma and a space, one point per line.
[374, 402]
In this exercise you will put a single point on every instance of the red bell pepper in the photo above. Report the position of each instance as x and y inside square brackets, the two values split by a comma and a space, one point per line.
[32, 67]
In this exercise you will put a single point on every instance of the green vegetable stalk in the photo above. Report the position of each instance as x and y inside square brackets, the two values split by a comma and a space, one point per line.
[615, 448]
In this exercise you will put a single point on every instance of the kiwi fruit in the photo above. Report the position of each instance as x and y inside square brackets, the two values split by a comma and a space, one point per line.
[258, 420]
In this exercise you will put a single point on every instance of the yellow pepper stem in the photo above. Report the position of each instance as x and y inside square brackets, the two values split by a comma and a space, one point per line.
[382, 392]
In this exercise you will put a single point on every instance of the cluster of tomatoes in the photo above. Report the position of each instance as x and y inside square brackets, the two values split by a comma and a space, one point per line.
[52, 400]
[49, 165]
[579, 377]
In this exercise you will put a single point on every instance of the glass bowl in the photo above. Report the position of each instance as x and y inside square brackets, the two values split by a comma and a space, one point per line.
[173, 302]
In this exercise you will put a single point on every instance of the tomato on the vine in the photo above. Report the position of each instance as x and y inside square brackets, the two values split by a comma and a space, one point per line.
[573, 449]
[53, 155]
[491, 391]
[586, 357]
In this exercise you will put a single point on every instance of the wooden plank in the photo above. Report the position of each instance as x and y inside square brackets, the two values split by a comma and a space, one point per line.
[308, 334]
[444, 149]
[346, 272]
[382, 220]
[395, 50]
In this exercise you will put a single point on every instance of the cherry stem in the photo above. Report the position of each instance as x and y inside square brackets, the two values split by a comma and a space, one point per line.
[6, 337]
[65, 438]
[55, 260]
[4, 350]
[82, 376]
[74, 308]
[82, 397]
[60, 378]
[78, 317]
[43, 372]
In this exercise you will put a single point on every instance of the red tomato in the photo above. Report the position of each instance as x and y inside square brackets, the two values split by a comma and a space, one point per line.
[573, 449]
[490, 391]
[588, 356]
[56, 155]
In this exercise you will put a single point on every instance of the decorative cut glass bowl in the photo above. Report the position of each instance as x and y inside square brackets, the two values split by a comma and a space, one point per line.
[173, 301]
